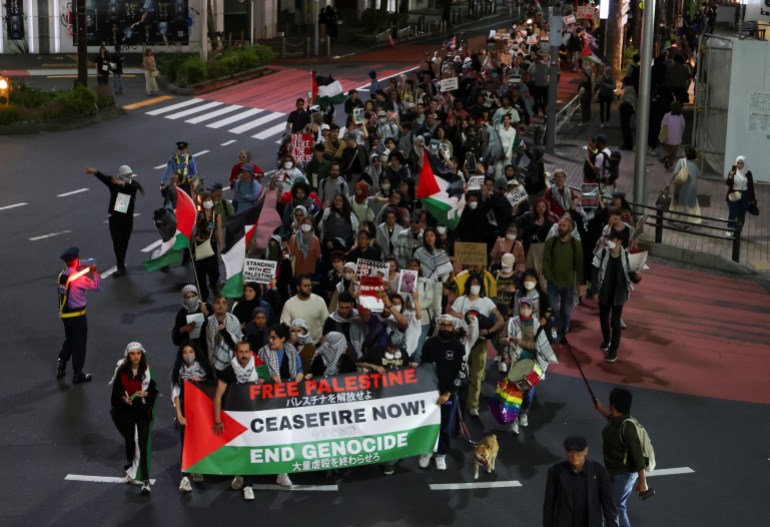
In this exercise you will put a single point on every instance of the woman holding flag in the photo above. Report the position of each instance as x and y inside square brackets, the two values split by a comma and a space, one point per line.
[133, 402]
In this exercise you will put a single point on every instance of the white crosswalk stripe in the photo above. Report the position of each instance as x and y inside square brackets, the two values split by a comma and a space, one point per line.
[191, 111]
[256, 123]
[236, 119]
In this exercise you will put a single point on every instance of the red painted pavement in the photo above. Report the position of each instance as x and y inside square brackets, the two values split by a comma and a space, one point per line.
[688, 332]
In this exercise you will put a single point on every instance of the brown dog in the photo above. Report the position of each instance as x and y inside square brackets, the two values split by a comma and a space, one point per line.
[485, 454]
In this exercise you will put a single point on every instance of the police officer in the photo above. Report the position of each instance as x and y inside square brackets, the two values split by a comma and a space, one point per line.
[182, 165]
[120, 211]
[73, 283]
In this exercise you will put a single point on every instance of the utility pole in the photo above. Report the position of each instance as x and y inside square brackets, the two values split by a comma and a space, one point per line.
[643, 103]
[553, 84]
[82, 43]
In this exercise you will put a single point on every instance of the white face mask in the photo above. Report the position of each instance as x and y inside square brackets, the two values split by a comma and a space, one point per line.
[529, 285]
[441, 229]
[306, 228]
[288, 165]
[611, 244]
[473, 204]
[475, 290]
[208, 205]
[510, 237]
[189, 358]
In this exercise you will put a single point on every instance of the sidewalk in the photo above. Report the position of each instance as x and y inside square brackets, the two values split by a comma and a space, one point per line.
[755, 241]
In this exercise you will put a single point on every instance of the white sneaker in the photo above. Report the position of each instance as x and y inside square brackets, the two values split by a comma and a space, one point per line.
[424, 461]
[185, 486]
[473, 412]
[515, 427]
[283, 480]
[440, 462]
[502, 367]
[248, 493]
[237, 483]
[523, 421]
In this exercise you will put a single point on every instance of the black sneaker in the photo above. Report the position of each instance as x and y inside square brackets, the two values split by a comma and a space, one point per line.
[612, 356]
[81, 377]
[604, 346]
[61, 369]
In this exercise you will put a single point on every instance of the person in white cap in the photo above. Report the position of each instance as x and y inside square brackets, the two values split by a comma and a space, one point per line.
[120, 211]
[133, 399]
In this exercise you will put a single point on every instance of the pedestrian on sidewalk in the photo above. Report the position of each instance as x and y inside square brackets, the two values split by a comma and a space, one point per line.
[133, 401]
[605, 93]
[116, 67]
[740, 193]
[102, 67]
[120, 212]
[671, 138]
[150, 73]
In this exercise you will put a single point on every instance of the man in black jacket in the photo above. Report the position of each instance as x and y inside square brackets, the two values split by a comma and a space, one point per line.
[578, 491]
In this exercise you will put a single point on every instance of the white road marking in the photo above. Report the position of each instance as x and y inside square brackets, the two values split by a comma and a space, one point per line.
[468, 486]
[365, 87]
[670, 471]
[71, 193]
[326, 488]
[201, 153]
[152, 246]
[101, 479]
[190, 111]
[109, 271]
[257, 122]
[231, 141]
[50, 235]
[234, 118]
[13, 206]
[173, 107]
[216, 113]
[277, 129]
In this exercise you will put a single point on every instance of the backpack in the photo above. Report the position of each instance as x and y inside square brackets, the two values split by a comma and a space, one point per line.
[644, 440]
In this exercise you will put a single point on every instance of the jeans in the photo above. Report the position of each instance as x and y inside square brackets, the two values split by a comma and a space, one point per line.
[737, 209]
[622, 487]
[448, 417]
[610, 319]
[117, 83]
[562, 300]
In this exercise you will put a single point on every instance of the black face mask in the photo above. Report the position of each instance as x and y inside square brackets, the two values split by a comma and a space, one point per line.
[444, 334]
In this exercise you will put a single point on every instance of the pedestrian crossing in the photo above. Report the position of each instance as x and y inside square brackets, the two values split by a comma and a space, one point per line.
[234, 118]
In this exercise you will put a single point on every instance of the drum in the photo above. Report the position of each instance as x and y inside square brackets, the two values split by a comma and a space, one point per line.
[525, 373]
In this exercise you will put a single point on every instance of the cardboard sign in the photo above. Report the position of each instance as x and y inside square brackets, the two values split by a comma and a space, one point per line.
[260, 271]
[471, 253]
[358, 115]
[449, 84]
[407, 282]
[475, 182]
[302, 147]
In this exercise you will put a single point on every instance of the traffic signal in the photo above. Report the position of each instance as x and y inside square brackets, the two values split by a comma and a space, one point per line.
[5, 92]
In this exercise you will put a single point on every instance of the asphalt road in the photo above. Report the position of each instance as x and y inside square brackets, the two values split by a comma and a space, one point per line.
[52, 429]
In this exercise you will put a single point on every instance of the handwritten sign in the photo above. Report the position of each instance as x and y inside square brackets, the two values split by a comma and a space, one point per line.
[260, 271]
[302, 147]
[449, 84]
[471, 253]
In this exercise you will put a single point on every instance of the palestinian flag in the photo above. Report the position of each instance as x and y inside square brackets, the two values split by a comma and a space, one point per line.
[589, 56]
[170, 251]
[441, 191]
[260, 221]
[326, 90]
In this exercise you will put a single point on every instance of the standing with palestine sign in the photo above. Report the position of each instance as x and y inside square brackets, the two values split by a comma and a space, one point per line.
[340, 421]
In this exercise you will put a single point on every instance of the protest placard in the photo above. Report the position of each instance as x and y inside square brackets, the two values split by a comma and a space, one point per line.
[260, 271]
[471, 253]
[302, 147]
[320, 424]
[449, 84]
